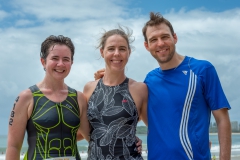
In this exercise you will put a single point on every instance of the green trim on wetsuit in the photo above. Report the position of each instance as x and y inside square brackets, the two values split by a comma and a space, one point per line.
[52, 127]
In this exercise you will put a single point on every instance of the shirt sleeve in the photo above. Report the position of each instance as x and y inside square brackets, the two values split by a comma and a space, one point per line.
[212, 90]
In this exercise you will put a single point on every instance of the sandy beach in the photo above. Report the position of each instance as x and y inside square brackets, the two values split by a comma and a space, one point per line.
[84, 157]
[2, 157]
[235, 154]
[232, 158]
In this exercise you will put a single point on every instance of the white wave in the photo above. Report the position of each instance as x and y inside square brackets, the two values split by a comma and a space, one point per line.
[217, 148]
[83, 154]
[236, 146]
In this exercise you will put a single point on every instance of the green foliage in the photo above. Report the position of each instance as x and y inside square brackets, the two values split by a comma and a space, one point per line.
[82, 148]
[141, 130]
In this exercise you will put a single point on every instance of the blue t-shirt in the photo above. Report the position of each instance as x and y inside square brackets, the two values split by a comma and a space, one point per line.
[180, 102]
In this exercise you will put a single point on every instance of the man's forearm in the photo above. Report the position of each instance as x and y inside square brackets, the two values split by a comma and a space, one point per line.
[224, 136]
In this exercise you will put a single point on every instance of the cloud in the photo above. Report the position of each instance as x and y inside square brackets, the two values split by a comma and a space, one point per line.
[3, 14]
[23, 23]
[70, 10]
[9, 87]
[201, 34]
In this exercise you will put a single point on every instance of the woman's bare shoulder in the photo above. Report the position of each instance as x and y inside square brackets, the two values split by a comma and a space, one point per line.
[89, 88]
[25, 95]
[136, 84]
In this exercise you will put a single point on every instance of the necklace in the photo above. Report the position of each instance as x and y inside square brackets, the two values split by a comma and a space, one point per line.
[177, 66]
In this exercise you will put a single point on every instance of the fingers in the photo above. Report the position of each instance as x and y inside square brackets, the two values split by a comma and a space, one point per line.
[101, 70]
[139, 141]
[96, 76]
[139, 145]
[99, 74]
[139, 149]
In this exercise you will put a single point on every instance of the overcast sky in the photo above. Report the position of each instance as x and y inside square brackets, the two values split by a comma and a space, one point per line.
[206, 30]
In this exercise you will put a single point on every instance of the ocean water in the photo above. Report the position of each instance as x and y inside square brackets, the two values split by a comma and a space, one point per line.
[82, 145]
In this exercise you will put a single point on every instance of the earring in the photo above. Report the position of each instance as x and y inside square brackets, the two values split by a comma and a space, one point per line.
[44, 69]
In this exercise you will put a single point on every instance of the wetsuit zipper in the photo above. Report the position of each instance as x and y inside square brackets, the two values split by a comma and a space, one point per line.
[60, 114]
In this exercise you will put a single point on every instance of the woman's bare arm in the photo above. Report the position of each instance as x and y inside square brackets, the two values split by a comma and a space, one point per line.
[17, 124]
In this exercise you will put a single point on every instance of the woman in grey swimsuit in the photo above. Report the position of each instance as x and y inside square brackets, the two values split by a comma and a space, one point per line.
[115, 102]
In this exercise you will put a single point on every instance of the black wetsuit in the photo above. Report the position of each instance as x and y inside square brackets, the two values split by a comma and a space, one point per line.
[52, 127]
[113, 117]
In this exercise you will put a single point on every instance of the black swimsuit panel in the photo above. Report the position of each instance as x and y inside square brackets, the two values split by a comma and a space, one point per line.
[52, 127]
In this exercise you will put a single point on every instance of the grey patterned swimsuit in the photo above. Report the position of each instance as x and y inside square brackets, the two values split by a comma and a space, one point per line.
[113, 117]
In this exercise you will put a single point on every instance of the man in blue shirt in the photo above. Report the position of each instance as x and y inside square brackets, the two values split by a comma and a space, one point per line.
[183, 92]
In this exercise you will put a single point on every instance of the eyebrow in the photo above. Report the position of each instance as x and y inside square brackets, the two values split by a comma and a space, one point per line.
[165, 34]
[115, 46]
[123, 46]
[69, 58]
[151, 38]
[63, 57]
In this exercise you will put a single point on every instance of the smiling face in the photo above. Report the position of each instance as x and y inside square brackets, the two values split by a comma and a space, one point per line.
[160, 43]
[58, 62]
[115, 53]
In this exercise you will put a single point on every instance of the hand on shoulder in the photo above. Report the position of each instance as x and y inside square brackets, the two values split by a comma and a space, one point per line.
[99, 74]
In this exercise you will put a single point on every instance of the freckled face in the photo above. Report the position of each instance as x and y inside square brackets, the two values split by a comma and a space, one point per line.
[161, 43]
[58, 62]
[115, 53]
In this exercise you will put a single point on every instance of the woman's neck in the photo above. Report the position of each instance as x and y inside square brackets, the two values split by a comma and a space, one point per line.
[52, 85]
[113, 79]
